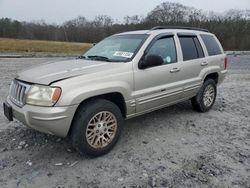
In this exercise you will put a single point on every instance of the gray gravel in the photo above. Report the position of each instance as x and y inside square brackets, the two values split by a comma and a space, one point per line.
[172, 147]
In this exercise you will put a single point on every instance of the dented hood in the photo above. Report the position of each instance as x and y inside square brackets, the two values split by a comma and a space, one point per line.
[48, 73]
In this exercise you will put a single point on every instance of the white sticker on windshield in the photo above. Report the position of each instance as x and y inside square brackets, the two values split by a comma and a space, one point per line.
[123, 54]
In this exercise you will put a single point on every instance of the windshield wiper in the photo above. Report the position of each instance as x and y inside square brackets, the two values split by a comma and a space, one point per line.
[97, 57]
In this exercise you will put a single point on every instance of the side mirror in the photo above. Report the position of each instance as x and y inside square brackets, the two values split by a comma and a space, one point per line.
[150, 61]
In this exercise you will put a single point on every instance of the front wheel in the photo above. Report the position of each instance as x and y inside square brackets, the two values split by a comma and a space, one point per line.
[205, 98]
[96, 127]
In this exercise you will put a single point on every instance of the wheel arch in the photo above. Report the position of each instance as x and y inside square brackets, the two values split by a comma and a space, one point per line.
[115, 97]
[213, 75]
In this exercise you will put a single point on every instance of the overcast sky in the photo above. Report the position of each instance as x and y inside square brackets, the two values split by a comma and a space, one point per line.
[58, 11]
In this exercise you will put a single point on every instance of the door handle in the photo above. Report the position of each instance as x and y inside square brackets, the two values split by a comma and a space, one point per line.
[176, 69]
[204, 63]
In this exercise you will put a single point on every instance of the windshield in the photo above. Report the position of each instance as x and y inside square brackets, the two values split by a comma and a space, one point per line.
[119, 48]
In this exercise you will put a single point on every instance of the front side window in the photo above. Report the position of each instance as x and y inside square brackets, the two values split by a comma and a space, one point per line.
[164, 47]
[211, 45]
[191, 48]
[119, 48]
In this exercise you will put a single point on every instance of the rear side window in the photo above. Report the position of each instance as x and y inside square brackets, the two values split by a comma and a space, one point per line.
[211, 45]
[191, 47]
[198, 47]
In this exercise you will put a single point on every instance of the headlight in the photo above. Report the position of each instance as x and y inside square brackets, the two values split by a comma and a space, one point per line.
[43, 95]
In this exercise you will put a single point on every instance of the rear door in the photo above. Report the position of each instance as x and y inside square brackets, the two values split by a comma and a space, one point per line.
[193, 62]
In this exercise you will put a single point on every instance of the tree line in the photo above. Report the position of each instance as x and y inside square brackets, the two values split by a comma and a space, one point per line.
[231, 27]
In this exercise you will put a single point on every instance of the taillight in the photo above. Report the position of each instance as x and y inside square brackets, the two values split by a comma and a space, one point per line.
[225, 63]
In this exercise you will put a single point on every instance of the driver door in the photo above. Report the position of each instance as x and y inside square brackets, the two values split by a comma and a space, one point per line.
[159, 86]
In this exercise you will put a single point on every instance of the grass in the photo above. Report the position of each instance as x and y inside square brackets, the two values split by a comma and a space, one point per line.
[37, 46]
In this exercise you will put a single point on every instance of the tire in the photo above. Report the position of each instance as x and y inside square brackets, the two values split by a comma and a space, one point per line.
[96, 127]
[200, 102]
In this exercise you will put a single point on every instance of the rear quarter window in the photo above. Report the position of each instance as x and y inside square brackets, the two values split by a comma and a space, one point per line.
[211, 44]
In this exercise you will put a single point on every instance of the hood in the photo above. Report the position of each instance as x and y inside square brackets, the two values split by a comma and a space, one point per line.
[48, 73]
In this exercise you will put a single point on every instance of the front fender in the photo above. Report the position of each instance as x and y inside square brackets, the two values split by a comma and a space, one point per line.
[79, 94]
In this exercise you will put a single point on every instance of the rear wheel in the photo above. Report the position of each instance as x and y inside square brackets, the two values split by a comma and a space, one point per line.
[96, 127]
[205, 98]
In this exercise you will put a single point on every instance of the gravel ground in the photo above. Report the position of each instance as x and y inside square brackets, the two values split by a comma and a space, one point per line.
[172, 147]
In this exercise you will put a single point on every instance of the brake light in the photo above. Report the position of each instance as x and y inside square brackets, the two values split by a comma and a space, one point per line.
[225, 63]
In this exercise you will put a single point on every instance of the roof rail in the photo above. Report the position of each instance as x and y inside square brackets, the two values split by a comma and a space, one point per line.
[179, 27]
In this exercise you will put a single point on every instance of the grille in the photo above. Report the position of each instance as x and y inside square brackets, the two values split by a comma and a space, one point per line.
[18, 91]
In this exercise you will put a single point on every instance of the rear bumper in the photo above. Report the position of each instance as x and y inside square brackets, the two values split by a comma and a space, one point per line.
[52, 120]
